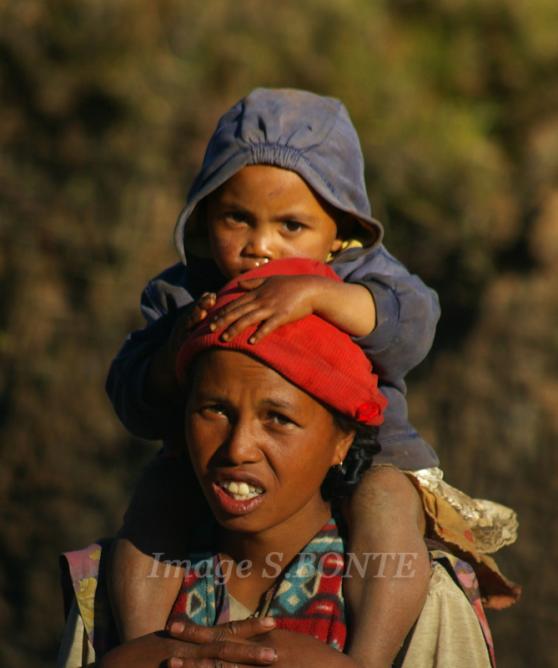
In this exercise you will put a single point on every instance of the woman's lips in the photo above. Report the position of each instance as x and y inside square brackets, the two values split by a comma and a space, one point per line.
[234, 506]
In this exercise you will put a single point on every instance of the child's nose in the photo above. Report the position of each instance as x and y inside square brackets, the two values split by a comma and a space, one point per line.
[259, 244]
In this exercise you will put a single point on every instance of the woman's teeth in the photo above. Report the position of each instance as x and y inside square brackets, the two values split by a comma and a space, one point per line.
[241, 491]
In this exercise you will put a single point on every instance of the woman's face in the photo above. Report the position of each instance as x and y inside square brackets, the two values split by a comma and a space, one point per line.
[260, 446]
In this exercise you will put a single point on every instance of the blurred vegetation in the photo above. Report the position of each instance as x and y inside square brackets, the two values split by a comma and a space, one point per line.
[106, 107]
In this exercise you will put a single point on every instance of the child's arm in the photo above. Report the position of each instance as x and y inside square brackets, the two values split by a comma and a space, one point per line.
[392, 312]
[278, 300]
[141, 379]
[407, 311]
[141, 387]
[126, 379]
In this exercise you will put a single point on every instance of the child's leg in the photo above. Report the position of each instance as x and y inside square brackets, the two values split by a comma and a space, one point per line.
[386, 521]
[157, 524]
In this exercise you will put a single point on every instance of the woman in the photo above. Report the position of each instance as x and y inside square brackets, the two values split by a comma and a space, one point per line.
[277, 432]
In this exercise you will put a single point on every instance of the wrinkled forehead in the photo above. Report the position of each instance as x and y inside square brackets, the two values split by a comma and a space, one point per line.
[236, 376]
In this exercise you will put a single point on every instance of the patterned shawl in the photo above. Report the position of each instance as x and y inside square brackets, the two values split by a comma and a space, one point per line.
[306, 598]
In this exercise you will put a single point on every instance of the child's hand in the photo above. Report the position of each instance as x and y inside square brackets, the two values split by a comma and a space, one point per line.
[161, 381]
[188, 321]
[273, 302]
[278, 300]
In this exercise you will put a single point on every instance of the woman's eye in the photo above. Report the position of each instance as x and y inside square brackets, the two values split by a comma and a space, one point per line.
[280, 419]
[292, 226]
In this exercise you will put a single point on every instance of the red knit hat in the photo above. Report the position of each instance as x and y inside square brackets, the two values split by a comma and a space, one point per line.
[311, 353]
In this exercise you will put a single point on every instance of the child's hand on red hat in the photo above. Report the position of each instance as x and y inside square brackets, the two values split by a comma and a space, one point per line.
[272, 301]
[161, 379]
[192, 318]
[186, 323]
[278, 300]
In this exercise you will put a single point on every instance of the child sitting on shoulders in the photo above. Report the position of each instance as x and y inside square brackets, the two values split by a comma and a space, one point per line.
[283, 176]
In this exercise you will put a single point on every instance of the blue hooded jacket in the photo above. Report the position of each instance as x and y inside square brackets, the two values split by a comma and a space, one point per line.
[313, 136]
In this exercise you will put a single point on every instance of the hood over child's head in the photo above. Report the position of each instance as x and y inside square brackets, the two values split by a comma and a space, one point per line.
[308, 134]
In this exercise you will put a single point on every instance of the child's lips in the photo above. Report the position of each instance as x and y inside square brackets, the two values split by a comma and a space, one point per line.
[253, 263]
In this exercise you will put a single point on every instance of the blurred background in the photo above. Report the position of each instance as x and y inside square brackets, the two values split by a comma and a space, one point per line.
[104, 114]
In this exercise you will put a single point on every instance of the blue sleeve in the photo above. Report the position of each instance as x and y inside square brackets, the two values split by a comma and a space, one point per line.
[407, 311]
[162, 300]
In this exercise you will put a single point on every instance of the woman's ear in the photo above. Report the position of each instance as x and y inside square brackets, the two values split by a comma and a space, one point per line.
[342, 447]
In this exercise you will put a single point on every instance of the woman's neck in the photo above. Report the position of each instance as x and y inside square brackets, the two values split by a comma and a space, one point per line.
[259, 558]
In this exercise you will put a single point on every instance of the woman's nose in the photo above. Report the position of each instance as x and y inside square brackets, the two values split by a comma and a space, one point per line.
[241, 446]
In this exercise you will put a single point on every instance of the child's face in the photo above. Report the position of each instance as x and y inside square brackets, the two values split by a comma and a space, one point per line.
[266, 213]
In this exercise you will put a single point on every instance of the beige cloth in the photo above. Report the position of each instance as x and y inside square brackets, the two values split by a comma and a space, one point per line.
[237, 610]
[492, 525]
[448, 633]
[75, 649]
[471, 529]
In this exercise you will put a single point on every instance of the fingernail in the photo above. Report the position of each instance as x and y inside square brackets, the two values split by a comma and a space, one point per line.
[268, 622]
[252, 339]
[177, 627]
[269, 654]
[224, 337]
[175, 662]
[212, 326]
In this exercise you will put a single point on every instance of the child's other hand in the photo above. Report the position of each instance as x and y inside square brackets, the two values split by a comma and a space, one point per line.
[189, 321]
[161, 380]
[273, 302]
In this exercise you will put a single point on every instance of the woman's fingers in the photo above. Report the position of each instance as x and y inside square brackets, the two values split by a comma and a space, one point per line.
[241, 630]
[176, 662]
[224, 653]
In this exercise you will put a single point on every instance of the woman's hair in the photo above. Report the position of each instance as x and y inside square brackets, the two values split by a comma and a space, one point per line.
[341, 480]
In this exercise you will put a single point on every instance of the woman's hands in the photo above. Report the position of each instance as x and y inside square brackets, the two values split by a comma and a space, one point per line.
[290, 649]
[278, 300]
[187, 645]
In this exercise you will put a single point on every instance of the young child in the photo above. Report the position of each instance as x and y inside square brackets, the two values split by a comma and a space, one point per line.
[282, 177]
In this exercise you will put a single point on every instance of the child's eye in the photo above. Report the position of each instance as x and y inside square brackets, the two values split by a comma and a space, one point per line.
[212, 410]
[236, 217]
